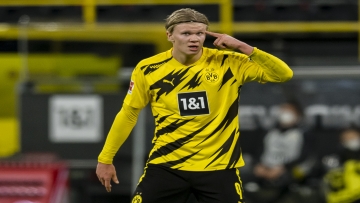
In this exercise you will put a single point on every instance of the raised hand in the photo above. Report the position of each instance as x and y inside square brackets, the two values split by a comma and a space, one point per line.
[224, 41]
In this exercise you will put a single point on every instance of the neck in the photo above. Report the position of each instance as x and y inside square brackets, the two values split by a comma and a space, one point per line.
[186, 59]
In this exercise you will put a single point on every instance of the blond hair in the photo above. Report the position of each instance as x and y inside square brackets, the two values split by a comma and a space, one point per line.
[184, 15]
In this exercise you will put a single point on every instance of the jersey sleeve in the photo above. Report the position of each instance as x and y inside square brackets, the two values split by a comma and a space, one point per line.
[120, 130]
[262, 67]
[138, 94]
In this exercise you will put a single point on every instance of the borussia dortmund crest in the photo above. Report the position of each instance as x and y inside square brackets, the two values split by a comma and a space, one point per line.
[137, 199]
[211, 77]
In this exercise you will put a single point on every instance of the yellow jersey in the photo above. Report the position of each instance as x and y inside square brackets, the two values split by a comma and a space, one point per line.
[196, 107]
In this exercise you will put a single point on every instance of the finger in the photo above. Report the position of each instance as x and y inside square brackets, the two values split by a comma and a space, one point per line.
[115, 179]
[219, 42]
[214, 34]
[102, 181]
[108, 185]
[108, 189]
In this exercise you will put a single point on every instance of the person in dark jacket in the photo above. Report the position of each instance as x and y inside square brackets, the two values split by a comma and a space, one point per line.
[287, 155]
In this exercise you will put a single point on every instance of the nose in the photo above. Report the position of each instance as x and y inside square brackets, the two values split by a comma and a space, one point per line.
[194, 38]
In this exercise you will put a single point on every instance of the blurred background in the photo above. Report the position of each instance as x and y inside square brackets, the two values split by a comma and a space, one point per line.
[65, 67]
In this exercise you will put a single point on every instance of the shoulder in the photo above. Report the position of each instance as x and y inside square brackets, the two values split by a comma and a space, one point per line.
[162, 57]
[217, 52]
[223, 54]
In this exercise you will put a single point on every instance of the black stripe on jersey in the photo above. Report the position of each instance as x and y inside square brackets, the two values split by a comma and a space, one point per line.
[169, 82]
[227, 76]
[235, 157]
[224, 148]
[172, 146]
[229, 117]
[223, 60]
[179, 161]
[161, 119]
[153, 67]
[210, 58]
[171, 127]
[194, 82]
[233, 82]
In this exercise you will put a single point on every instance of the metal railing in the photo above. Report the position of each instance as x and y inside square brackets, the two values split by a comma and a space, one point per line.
[148, 32]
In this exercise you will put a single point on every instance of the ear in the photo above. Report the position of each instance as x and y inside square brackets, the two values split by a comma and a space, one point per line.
[169, 36]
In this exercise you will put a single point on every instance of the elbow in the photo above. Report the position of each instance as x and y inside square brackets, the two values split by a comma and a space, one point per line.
[287, 75]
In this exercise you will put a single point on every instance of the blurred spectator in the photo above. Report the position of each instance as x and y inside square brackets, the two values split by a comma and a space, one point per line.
[350, 142]
[286, 158]
[342, 184]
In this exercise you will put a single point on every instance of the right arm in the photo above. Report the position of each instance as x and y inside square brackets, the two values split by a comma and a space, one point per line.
[137, 98]
[120, 130]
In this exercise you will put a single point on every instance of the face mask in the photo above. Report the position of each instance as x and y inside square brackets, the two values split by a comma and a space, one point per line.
[287, 118]
[352, 145]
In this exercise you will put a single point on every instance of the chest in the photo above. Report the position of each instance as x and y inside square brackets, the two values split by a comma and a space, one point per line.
[191, 90]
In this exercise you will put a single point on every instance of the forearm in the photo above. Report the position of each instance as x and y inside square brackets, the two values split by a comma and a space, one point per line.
[275, 70]
[245, 48]
[121, 128]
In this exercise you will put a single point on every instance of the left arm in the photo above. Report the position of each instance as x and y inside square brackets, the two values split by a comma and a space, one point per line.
[268, 67]
[271, 68]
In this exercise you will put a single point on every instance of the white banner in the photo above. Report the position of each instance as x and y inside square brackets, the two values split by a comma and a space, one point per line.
[253, 117]
[75, 118]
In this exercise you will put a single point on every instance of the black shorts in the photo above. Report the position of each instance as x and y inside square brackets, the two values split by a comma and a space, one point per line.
[160, 184]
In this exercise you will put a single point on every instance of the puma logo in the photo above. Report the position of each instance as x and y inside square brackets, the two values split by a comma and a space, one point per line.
[170, 82]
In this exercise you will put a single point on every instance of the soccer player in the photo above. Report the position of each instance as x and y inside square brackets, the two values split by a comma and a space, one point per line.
[194, 96]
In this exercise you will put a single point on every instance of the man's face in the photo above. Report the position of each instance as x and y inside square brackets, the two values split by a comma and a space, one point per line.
[288, 115]
[188, 38]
